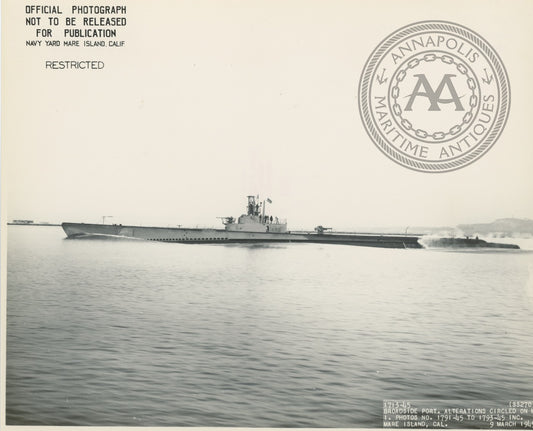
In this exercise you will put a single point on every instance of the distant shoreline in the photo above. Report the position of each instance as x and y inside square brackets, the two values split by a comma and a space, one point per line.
[32, 224]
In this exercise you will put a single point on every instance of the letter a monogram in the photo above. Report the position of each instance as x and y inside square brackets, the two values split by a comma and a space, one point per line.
[434, 96]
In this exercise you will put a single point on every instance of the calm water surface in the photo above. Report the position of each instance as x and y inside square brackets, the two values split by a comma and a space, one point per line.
[135, 333]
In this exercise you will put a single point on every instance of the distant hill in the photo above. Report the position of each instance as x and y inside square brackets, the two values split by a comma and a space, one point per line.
[506, 226]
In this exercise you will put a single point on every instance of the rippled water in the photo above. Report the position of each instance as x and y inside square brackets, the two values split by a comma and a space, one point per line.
[134, 333]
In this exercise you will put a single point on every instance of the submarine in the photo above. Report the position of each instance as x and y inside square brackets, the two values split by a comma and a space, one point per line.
[254, 226]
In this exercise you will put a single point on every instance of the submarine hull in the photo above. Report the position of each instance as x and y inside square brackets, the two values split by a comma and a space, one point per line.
[207, 236]
[467, 243]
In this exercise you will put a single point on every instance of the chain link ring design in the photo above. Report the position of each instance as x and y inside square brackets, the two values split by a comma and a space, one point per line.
[473, 100]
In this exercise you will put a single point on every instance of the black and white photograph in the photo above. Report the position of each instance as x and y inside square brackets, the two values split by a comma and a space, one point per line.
[266, 214]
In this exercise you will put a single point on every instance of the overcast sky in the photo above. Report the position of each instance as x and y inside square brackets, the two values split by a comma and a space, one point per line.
[211, 101]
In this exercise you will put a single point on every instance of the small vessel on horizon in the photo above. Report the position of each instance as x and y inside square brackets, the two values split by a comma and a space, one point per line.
[255, 226]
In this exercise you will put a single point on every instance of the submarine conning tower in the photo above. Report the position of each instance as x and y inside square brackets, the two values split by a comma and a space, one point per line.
[253, 208]
[256, 219]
